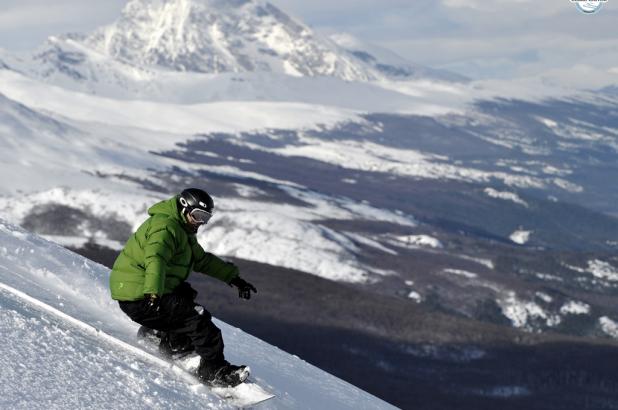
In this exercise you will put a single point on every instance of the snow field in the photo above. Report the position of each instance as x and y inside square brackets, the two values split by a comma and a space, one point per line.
[73, 366]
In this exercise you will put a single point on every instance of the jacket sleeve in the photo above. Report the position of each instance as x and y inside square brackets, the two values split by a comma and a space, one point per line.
[158, 251]
[211, 265]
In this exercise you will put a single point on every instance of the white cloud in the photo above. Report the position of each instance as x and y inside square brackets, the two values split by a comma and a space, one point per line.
[24, 17]
[26, 23]
[501, 5]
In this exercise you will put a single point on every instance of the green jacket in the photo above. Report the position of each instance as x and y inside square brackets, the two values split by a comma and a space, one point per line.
[161, 255]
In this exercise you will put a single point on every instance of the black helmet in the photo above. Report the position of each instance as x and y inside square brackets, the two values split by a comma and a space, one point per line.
[196, 203]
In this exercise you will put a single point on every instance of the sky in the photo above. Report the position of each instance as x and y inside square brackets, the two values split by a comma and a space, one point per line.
[477, 38]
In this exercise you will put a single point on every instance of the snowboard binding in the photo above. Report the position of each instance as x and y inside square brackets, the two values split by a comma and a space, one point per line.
[170, 345]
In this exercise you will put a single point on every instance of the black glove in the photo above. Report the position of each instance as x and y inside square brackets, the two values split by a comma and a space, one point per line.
[244, 287]
[152, 302]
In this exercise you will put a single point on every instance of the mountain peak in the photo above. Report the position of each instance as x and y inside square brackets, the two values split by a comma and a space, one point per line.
[213, 36]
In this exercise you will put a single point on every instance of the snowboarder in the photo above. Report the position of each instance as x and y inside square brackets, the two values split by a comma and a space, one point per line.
[148, 281]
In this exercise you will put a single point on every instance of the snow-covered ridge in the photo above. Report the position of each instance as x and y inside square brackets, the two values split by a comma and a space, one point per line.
[609, 326]
[542, 311]
[389, 63]
[79, 367]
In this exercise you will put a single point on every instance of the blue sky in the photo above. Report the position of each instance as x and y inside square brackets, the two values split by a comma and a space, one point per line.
[480, 39]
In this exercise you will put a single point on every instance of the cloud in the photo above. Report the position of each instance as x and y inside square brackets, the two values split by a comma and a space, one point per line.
[33, 15]
[502, 6]
[504, 38]
[29, 13]
[26, 23]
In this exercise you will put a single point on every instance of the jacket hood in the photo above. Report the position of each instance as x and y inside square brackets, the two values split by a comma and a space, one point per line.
[169, 208]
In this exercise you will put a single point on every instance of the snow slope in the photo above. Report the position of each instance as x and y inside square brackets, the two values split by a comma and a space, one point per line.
[51, 362]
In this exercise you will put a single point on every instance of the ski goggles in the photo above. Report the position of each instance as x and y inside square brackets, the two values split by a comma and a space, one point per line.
[199, 215]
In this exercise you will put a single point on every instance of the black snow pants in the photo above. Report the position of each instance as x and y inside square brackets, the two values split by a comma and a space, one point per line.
[180, 317]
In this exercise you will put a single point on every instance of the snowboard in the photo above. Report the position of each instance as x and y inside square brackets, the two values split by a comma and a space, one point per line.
[246, 394]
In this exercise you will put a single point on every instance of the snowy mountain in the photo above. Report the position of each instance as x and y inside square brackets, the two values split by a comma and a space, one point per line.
[220, 36]
[50, 300]
[206, 36]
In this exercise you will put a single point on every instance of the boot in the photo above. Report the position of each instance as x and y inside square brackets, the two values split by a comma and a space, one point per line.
[175, 346]
[149, 335]
[222, 374]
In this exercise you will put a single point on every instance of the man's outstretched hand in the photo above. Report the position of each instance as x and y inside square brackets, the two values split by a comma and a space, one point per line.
[244, 287]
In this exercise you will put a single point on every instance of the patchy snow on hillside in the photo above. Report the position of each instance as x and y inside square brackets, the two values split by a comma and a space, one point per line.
[547, 276]
[523, 314]
[460, 272]
[368, 241]
[578, 130]
[50, 297]
[415, 241]
[603, 270]
[506, 391]
[544, 297]
[609, 326]
[520, 236]
[369, 156]
[597, 268]
[574, 307]
[567, 185]
[415, 296]
[505, 195]
[488, 263]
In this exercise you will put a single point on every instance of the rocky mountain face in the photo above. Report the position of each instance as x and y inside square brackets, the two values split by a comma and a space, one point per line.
[221, 36]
